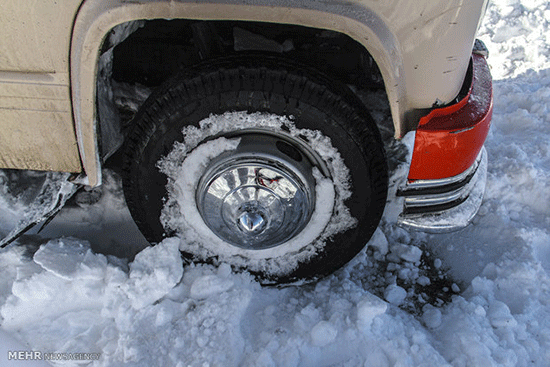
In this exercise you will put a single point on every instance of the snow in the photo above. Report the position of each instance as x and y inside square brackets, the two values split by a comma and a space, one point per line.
[395, 295]
[476, 297]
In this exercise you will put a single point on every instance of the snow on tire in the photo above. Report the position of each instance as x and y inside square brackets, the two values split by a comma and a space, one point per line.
[258, 163]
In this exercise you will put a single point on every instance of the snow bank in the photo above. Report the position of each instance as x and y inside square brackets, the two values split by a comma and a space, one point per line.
[66, 299]
[516, 34]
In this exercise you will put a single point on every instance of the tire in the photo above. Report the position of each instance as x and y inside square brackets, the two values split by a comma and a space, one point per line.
[260, 98]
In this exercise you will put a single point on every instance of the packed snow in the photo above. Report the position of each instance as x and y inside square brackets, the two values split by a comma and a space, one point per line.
[476, 297]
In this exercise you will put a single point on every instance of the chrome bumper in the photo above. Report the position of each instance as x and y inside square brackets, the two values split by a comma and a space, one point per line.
[444, 205]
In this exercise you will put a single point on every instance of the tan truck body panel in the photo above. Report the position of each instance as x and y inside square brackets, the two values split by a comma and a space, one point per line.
[36, 122]
[422, 48]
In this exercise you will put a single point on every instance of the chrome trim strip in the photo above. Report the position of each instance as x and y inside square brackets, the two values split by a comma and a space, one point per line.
[437, 199]
[457, 217]
[429, 184]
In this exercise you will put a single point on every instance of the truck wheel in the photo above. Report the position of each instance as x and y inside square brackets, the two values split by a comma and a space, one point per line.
[258, 163]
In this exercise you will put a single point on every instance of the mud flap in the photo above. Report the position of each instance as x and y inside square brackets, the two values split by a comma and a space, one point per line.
[33, 197]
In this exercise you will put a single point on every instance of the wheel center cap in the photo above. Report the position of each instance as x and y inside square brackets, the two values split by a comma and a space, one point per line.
[257, 196]
[252, 221]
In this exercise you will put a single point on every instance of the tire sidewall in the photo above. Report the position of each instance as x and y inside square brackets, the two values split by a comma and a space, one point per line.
[175, 107]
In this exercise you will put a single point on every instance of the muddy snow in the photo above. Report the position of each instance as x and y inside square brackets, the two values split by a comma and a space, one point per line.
[476, 297]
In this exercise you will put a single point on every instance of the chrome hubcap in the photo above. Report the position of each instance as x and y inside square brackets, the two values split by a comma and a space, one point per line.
[262, 194]
[252, 222]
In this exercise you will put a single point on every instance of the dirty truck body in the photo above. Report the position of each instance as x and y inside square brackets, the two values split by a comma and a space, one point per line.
[58, 59]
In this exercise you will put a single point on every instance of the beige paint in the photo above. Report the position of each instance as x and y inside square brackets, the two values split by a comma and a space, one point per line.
[422, 47]
[37, 130]
[436, 39]
[36, 124]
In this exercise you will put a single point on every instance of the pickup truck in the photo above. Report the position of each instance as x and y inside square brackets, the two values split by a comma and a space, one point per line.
[253, 146]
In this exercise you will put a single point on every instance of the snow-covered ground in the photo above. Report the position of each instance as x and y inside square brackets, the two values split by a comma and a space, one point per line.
[477, 297]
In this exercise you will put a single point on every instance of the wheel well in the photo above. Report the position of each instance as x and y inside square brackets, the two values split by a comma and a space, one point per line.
[159, 48]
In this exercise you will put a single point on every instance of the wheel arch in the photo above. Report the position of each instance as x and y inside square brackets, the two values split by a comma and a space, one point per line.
[96, 18]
